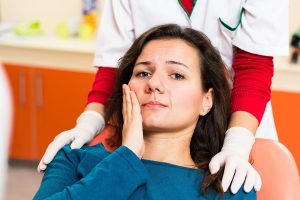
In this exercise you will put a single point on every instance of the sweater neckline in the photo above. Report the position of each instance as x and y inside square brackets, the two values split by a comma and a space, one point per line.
[154, 162]
[165, 164]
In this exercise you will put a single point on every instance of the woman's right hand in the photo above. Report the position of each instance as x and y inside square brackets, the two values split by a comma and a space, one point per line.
[132, 132]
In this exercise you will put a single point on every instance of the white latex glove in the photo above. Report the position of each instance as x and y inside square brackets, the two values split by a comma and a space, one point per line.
[88, 125]
[234, 155]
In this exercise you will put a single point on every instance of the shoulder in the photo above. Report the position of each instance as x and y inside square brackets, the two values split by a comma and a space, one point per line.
[77, 155]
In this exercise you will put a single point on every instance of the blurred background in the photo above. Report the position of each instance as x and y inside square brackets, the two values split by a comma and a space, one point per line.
[47, 49]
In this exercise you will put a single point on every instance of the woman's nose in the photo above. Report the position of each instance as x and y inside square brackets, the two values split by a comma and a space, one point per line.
[155, 84]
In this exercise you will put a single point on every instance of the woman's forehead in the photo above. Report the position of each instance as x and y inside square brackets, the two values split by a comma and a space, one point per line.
[169, 49]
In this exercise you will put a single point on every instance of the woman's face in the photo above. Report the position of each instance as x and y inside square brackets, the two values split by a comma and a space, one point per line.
[166, 80]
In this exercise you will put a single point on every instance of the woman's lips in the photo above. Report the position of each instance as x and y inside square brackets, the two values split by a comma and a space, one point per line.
[154, 104]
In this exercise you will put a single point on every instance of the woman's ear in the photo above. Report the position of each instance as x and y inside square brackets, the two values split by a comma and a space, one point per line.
[207, 102]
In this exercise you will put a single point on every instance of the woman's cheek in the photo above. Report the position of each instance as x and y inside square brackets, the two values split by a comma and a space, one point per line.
[136, 87]
[189, 99]
[132, 85]
[185, 96]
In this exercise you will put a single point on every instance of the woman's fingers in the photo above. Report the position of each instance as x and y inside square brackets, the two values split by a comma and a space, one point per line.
[131, 106]
[132, 128]
[127, 107]
[135, 104]
[128, 101]
[124, 109]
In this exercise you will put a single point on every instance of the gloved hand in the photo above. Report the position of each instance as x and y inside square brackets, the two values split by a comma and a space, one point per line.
[88, 125]
[234, 155]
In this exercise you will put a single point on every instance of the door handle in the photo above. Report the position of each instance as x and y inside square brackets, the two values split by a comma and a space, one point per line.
[22, 88]
[39, 90]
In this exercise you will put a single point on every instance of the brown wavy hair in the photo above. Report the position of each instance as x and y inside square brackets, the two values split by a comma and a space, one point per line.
[208, 136]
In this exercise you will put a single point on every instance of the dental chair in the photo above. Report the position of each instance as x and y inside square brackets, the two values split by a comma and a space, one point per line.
[273, 161]
[278, 170]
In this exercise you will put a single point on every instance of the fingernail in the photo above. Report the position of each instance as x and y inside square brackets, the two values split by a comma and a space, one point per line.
[224, 187]
[256, 188]
[41, 168]
[234, 190]
[214, 170]
[247, 189]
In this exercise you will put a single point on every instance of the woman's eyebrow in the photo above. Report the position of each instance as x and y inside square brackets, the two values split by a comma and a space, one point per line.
[143, 63]
[177, 63]
[172, 62]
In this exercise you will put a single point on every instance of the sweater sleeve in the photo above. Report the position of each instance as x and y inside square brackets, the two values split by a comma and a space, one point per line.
[241, 194]
[103, 85]
[252, 83]
[117, 176]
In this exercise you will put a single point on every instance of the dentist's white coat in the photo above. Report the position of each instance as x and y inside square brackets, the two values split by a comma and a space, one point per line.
[256, 26]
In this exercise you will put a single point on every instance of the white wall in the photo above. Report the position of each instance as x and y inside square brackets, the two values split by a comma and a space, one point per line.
[49, 12]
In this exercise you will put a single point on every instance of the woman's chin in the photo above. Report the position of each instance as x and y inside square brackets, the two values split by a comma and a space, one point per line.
[153, 126]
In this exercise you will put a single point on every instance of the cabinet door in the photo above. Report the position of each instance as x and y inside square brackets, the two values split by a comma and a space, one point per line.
[23, 141]
[60, 97]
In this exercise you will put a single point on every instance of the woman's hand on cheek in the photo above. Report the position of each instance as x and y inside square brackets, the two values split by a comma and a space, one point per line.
[132, 132]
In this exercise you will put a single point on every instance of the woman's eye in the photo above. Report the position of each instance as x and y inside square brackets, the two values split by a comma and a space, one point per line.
[143, 74]
[177, 76]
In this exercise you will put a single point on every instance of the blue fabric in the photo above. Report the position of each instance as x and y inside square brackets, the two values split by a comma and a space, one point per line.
[94, 173]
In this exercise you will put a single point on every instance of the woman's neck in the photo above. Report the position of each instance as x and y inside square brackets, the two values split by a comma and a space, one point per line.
[171, 148]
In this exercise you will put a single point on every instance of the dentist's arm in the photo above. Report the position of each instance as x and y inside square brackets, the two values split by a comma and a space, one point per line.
[250, 94]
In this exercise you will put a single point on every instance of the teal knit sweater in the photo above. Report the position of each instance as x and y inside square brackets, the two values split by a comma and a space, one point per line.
[94, 173]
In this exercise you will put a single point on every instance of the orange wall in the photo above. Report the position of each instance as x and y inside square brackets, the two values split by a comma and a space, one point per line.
[286, 108]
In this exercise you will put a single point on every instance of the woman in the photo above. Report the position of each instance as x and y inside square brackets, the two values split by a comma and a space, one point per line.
[174, 96]
[247, 34]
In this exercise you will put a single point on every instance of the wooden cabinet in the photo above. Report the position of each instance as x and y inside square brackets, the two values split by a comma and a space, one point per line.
[46, 102]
